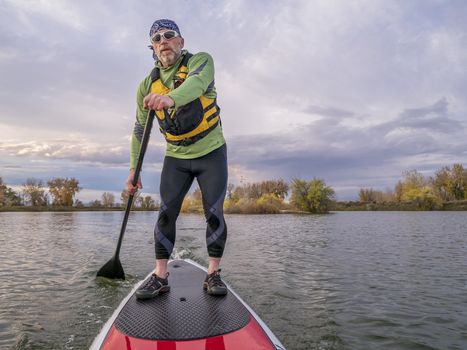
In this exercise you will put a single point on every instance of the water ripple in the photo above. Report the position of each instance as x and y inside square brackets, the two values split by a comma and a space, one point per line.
[370, 280]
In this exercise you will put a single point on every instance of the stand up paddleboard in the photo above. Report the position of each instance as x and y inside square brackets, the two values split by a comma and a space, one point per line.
[186, 318]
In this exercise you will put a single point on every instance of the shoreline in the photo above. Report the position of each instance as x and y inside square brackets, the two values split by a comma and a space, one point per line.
[66, 209]
[339, 208]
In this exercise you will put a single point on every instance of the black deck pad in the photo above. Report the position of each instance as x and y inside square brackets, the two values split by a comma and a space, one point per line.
[186, 312]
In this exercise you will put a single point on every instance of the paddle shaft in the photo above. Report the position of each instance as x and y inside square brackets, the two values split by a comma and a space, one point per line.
[139, 165]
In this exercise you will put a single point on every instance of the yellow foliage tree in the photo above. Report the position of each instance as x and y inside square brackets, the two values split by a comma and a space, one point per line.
[425, 198]
[63, 190]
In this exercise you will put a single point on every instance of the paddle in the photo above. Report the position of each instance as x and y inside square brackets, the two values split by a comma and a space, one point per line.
[113, 268]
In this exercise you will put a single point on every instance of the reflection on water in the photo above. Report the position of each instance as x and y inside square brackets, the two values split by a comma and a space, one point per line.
[362, 280]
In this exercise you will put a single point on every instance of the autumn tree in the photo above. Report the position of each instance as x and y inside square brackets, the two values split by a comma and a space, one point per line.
[424, 198]
[146, 202]
[137, 202]
[3, 189]
[230, 189]
[250, 190]
[34, 192]
[398, 191]
[413, 180]
[313, 196]
[369, 195]
[95, 204]
[441, 183]
[12, 198]
[2, 184]
[193, 202]
[278, 188]
[8, 197]
[450, 183]
[124, 197]
[63, 190]
[415, 188]
[108, 199]
[458, 183]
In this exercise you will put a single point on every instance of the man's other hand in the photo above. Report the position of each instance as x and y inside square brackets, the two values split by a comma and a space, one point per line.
[157, 102]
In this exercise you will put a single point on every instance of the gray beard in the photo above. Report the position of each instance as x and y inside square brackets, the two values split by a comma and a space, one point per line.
[170, 60]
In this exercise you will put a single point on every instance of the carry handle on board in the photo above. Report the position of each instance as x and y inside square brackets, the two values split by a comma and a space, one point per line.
[113, 268]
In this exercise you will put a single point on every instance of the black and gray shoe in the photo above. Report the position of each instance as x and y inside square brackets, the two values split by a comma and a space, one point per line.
[213, 284]
[153, 287]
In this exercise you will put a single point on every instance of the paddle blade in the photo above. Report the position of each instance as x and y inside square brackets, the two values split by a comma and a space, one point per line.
[112, 269]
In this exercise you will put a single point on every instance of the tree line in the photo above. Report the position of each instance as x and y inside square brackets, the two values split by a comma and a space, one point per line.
[269, 197]
[61, 192]
[448, 184]
[414, 190]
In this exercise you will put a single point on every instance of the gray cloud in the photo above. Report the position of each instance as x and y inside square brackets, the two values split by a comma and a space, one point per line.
[329, 112]
[77, 150]
[432, 118]
[362, 157]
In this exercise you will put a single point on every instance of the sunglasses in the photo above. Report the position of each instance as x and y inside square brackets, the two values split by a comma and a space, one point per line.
[168, 35]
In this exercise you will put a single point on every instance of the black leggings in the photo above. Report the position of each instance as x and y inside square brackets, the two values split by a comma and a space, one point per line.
[176, 179]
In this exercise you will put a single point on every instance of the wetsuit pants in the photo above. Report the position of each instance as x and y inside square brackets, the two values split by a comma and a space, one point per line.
[176, 179]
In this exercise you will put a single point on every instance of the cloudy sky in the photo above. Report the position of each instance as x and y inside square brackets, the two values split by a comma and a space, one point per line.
[354, 92]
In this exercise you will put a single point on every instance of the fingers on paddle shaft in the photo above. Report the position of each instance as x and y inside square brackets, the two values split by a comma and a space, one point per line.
[131, 185]
[157, 102]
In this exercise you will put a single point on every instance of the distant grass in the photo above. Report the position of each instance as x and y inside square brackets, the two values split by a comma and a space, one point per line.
[393, 206]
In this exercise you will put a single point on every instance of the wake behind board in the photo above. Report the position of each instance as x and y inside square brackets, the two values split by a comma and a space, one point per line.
[186, 318]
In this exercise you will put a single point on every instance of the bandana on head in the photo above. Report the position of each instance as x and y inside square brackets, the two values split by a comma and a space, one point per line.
[163, 24]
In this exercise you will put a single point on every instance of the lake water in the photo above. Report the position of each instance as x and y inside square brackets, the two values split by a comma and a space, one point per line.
[348, 280]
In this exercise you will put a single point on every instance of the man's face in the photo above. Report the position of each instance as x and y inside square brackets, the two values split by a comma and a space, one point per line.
[168, 51]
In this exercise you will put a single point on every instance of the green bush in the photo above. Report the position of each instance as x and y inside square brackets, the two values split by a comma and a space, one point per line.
[312, 196]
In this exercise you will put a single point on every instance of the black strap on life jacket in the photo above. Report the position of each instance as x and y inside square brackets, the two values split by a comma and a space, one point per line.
[168, 123]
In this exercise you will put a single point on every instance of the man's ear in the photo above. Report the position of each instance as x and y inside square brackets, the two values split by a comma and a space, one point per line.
[182, 43]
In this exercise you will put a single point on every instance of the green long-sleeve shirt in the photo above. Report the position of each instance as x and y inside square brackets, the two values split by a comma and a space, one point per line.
[200, 81]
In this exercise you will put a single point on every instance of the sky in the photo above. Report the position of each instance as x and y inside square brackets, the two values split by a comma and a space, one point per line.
[352, 92]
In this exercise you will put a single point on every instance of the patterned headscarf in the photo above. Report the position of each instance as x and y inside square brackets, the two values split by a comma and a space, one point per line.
[158, 25]
[163, 24]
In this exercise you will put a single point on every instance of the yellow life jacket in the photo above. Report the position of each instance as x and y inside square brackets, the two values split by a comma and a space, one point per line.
[188, 123]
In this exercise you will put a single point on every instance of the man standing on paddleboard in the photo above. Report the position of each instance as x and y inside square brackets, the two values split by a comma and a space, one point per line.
[181, 90]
